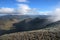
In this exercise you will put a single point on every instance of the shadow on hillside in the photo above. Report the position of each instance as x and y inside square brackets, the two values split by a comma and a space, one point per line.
[27, 25]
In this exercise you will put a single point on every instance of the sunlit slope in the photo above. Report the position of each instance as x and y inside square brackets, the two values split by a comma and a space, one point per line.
[55, 26]
[32, 35]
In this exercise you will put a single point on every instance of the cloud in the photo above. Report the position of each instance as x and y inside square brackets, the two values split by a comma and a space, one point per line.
[22, 1]
[55, 15]
[6, 10]
[45, 13]
[57, 11]
[23, 8]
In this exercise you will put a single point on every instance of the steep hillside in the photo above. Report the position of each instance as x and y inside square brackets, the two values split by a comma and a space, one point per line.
[32, 35]
[17, 23]
[55, 26]
[6, 22]
[51, 32]
[31, 24]
[29, 29]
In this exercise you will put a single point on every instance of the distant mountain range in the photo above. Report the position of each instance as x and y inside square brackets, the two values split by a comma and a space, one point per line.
[8, 23]
[50, 32]
[8, 17]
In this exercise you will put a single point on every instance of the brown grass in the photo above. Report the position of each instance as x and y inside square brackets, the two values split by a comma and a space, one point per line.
[33, 35]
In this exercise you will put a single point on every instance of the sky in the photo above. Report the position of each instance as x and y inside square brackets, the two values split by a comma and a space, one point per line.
[30, 7]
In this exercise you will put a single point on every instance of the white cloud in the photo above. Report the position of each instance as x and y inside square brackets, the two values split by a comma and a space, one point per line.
[22, 0]
[55, 15]
[57, 10]
[23, 8]
[45, 13]
[6, 10]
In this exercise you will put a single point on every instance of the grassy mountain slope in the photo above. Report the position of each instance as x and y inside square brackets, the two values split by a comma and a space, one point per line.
[55, 26]
[42, 34]
[32, 35]
[18, 23]
[28, 29]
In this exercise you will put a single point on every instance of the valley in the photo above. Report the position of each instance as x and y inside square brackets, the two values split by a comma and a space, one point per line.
[24, 26]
